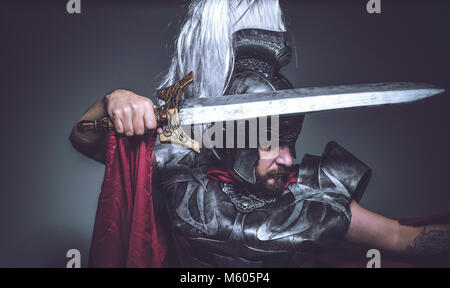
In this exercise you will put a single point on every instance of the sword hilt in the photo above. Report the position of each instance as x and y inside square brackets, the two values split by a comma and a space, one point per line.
[166, 116]
[103, 124]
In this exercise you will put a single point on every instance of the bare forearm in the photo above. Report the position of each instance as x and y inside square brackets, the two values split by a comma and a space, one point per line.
[425, 240]
[374, 230]
[91, 143]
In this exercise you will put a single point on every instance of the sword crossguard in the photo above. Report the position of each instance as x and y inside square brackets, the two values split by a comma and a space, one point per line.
[166, 116]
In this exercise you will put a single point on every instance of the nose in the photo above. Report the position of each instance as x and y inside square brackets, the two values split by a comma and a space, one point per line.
[284, 156]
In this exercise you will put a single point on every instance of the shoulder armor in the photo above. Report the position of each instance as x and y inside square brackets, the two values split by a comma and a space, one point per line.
[340, 164]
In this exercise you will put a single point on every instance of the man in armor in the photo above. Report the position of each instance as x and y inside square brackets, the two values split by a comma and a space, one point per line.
[251, 207]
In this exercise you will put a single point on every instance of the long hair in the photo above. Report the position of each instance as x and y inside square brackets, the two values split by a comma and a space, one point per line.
[205, 45]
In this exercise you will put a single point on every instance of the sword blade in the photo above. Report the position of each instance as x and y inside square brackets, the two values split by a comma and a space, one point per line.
[301, 101]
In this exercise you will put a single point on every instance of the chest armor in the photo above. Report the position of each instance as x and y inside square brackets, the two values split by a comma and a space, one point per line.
[222, 225]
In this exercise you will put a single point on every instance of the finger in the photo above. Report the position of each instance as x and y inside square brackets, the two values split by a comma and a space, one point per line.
[117, 122]
[137, 119]
[138, 123]
[127, 122]
[149, 116]
[150, 121]
[118, 126]
[159, 130]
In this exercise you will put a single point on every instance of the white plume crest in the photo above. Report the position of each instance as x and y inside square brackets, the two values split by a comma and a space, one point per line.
[205, 46]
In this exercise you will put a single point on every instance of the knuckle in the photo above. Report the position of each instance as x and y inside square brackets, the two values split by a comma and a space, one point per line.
[116, 113]
[135, 107]
[149, 110]
[150, 103]
[126, 110]
[146, 104]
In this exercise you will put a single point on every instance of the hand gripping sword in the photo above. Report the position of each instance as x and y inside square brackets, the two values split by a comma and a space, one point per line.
[177, 111]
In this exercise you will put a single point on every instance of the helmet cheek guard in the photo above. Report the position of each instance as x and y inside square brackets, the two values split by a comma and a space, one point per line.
[244, 164]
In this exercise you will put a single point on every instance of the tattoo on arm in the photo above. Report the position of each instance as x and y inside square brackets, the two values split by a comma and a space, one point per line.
[430, 242]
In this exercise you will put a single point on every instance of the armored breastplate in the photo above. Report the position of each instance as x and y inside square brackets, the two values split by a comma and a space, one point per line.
[221, 225]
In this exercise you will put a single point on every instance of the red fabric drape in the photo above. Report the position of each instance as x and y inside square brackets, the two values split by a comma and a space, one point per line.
[126, 233]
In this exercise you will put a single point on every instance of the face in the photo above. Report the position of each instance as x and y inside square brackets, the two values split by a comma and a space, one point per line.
[273, 168]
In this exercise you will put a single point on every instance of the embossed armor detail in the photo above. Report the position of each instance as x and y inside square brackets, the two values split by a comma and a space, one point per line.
[309, 214]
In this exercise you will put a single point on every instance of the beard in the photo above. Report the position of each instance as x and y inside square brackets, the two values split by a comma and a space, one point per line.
[279, 176]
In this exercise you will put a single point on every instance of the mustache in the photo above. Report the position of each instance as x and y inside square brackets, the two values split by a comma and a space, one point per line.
[281, 172]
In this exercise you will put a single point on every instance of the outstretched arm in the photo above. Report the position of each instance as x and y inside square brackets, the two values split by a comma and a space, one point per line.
[374, 230]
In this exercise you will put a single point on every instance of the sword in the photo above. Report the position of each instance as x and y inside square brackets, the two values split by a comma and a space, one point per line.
[176, 112]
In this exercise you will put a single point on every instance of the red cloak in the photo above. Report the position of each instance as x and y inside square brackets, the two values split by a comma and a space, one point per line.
[126, 233]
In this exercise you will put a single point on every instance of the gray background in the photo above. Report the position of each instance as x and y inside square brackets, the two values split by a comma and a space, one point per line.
[54, 65]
